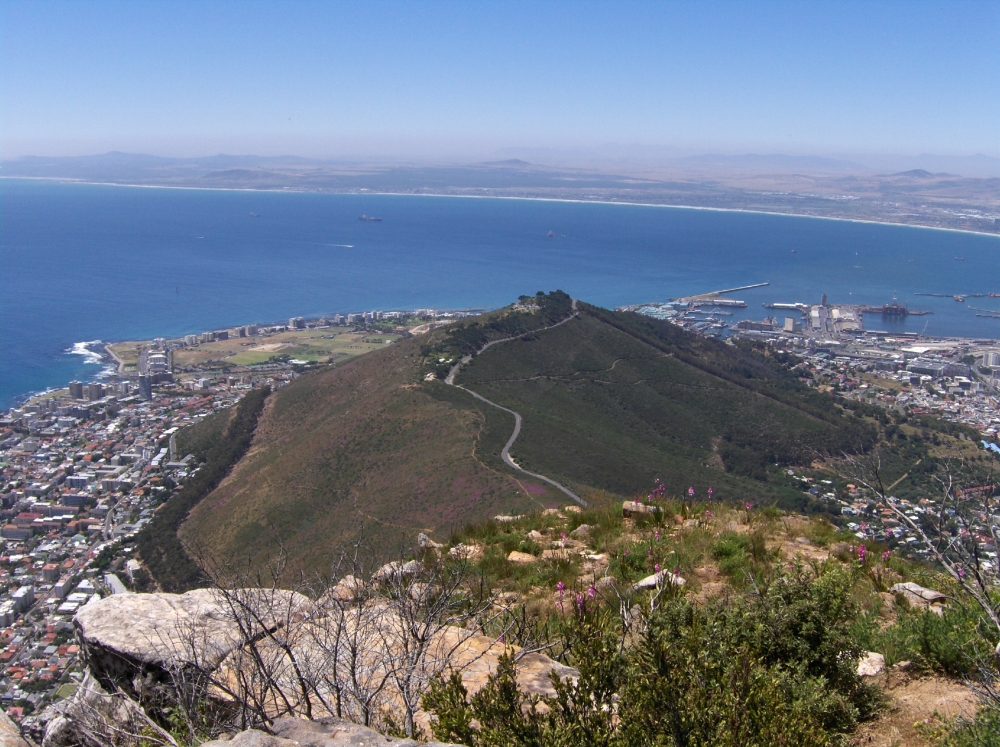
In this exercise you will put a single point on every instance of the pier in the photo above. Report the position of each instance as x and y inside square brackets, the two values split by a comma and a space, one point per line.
[712, 294]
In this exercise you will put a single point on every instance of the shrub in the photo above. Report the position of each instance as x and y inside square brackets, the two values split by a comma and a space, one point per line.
[776, 667]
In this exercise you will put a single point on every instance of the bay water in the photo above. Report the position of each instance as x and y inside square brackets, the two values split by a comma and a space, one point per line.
[82, 262]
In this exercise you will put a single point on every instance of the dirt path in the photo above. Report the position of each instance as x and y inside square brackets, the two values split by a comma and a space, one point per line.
[505, 454]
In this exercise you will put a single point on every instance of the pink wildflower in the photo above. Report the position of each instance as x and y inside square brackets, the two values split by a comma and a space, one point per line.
[592, 591]
[885, 555]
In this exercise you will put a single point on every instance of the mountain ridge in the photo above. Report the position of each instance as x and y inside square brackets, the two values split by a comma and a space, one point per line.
[382, 445]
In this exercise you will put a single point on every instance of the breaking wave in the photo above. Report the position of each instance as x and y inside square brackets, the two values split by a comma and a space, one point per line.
[90, 356]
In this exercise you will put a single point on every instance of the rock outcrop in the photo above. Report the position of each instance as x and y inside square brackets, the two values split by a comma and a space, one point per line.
[126, 637]
[10, 735]
[871, 664]
[917, 594]
[137, 644]
[658, 579]
[634, 509]
[293, 732]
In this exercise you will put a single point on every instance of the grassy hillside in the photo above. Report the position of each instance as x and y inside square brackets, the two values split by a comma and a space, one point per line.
[610, 402]
[364, 444]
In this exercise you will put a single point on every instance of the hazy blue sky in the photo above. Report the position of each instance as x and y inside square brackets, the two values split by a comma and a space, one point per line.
[433, 79]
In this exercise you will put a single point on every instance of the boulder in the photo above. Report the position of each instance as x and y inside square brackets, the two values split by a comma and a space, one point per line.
[535, 536]
[254, 738]
[572, 509]
[581, 531]
[917, 594]
[466, 552]
[349, 588]
[658, 579]
[147, 636]
[426, 543]
[328, 732]
[871, 664]
[10, 735]
[396, 570]
[507, 519]
[553, 512]
[559, 553]
[521, 557]
[633, 509]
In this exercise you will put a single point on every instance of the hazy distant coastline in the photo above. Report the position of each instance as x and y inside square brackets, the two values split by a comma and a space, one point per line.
[782, 185]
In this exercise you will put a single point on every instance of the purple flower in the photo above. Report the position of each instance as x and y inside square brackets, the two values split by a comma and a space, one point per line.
[591, 591]
[626, 552]
[579, 603]
[862, 551]
[748, 505]
[656, 567]
[885, 555]
[708, 513]
[561, 587]
[961, 572]
[657, 535]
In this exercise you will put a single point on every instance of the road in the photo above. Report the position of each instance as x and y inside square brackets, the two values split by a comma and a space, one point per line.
[505, 454]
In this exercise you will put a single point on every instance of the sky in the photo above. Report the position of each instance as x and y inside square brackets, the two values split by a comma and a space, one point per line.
[426, 80]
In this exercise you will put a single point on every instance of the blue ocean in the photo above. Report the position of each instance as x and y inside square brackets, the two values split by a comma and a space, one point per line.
[82, 262]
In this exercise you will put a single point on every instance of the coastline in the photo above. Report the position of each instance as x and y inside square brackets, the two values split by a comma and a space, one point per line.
[69, 180]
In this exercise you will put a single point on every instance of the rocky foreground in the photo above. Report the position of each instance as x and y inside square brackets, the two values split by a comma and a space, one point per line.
[139, 648]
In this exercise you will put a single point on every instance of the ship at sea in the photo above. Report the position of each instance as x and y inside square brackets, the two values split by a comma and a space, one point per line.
[370, 218]
[893, 309]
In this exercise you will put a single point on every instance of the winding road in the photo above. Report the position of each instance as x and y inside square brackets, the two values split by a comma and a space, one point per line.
[505, 454]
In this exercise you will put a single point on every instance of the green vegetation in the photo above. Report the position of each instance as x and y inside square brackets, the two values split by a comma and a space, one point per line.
[610, 402]
[219, 443]
[760, 645]
[777, 666]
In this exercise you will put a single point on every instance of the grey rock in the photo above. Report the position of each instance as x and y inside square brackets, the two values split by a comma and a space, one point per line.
[871, 664]
[582, 530]
[632, 509]
[917, 594]
[147, 636]
[10, 734]
[396, 570]
[251, 738]
[426, 543]
[658, 579]
[332, 732]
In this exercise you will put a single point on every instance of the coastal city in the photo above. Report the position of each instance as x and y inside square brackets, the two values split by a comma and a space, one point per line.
[83, 469]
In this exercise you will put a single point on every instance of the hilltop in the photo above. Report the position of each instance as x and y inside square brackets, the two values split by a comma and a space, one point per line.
[610, 401]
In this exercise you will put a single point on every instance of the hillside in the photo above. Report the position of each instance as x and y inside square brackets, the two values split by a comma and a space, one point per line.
[610, 402]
